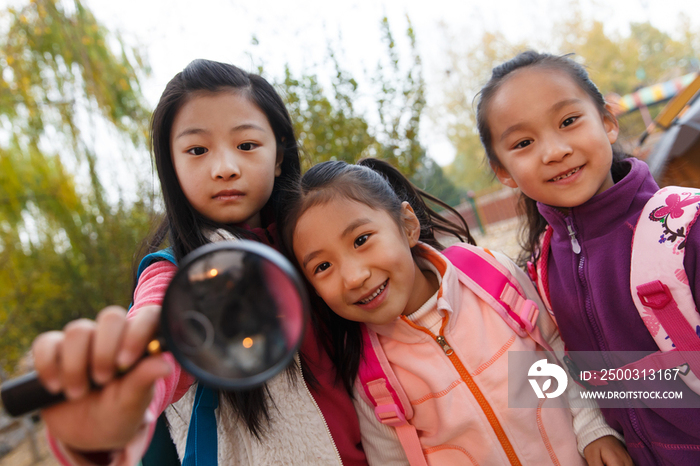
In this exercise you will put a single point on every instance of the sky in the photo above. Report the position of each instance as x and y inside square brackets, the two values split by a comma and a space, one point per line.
[297, 32]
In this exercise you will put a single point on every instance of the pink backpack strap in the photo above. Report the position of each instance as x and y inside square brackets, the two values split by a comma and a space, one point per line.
[538, 271]
[488, 279]
[383, 390]
[658, 282]
[494, 283]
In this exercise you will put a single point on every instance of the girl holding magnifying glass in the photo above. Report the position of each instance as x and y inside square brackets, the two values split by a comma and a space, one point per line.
[223, 144]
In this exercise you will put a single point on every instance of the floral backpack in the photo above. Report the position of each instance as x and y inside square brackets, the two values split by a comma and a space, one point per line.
[658, 283]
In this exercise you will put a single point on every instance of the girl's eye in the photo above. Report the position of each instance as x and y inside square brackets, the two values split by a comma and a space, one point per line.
[246, 146]
[321, 267]
[198, 151]
[361, 240]
[523, 144]
[569, 121]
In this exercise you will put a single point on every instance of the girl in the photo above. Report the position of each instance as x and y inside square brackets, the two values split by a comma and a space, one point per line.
[372, 256]
[223, 142]
[547, 130]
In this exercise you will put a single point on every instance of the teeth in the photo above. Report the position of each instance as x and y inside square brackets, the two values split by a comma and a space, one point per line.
[566, 175]
[374, 295]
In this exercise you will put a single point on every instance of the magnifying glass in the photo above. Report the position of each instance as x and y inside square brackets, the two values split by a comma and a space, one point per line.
[233, 317]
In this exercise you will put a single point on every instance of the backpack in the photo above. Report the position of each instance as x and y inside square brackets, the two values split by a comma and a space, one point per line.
[658, 284]
[489, 280]
[161, 451]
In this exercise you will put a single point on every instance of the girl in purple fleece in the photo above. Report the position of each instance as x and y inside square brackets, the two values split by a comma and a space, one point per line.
[548, 131]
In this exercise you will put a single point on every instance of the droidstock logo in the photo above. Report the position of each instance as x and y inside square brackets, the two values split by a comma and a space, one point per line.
[542, 368]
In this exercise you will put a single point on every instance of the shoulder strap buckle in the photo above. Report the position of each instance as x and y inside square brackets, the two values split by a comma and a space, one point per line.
[525, 309]
[390, 414]
[654, 294]
[528, 315]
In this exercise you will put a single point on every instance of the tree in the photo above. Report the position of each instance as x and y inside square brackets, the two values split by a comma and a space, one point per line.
[329, 127]
[400, 102]
[622, 64]
[66, 251]
[465, 75]
[430, 177]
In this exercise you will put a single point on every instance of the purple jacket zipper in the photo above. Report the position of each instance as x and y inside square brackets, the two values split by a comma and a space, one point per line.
[576, 247]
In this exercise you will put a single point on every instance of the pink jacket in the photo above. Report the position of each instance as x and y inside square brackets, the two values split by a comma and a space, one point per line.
[461, 410]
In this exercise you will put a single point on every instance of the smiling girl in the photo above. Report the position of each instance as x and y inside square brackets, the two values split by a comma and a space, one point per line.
[548, 131]
[365, 240]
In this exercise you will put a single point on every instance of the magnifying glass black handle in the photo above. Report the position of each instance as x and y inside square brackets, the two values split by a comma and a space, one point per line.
[25, 394]
[233, 317]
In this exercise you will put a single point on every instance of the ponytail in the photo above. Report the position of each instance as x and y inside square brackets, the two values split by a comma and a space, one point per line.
[430, 220]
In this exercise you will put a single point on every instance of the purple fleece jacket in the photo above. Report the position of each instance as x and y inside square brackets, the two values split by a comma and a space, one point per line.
[592, 303]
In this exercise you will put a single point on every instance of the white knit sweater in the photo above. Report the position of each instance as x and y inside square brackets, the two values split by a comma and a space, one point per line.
[297, 434]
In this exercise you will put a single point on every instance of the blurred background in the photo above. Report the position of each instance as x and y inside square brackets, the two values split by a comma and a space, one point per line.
[391, 79]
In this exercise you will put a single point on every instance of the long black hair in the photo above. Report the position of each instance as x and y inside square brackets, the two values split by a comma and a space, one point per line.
[535, 222]
[378, 184]
[183, 226]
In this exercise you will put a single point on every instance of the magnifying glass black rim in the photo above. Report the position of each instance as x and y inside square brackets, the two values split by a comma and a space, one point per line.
[277, 259]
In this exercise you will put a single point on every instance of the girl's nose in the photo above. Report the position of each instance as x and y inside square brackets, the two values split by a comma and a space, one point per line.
[225, 165]
[555, 150]
[355, 275]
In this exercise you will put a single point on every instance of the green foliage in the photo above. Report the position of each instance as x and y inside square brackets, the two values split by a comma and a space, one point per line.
[466, 74]
[400, 102]
[327, 128]
[65, 251]
[430, 177]
[622, 64]
[330, 128]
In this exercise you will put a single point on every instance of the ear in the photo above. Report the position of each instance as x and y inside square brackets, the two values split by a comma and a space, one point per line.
[280, 158]
[612, 127]
[411, 225]
[278, 168]
[503, 175]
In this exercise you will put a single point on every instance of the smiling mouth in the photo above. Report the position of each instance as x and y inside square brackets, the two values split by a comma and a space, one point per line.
[376, 293]
[228, 195]
[566, 175]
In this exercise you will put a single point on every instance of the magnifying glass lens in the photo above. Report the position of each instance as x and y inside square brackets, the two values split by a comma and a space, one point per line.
[233, 315]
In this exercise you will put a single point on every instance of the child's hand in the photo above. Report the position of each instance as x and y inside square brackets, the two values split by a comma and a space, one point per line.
[607, 451]
[66, 361]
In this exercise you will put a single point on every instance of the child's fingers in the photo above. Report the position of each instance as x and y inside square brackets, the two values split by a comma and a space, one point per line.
[114, 414]
[616, 458]
[607, 451]
[75, 357]
[139, 331]
[46, 353]
[140, 381]
[111, 322]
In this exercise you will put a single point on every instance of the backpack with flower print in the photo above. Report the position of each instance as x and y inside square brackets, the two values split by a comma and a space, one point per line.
[658, 283]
